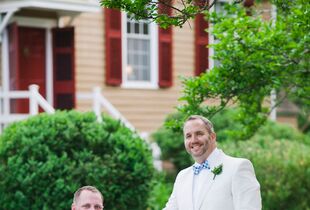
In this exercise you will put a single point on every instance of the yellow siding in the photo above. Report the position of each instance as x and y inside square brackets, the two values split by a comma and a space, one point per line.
[89, 47]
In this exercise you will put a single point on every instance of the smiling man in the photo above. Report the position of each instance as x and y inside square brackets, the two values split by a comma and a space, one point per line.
[87, 197]
[216, 181]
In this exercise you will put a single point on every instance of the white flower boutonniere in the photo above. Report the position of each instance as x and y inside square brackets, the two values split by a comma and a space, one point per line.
[217, 170]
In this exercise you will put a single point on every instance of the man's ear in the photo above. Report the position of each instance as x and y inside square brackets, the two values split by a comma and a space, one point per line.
[73, 207]
[213, 136]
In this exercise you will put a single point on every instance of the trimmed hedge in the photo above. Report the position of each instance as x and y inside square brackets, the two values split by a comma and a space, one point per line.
[47, 157]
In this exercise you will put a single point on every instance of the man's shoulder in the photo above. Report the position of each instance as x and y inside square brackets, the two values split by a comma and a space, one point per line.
[235, 160]
[185, 171]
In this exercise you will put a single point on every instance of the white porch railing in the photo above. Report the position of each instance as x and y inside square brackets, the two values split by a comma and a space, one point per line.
[35, 101]
[98, 101]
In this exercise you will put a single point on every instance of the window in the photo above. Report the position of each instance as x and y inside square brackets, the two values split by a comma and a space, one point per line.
[140, 49]
[137, 54]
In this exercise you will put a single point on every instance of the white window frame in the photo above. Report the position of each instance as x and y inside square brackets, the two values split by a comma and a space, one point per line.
[211, 37]
[153, 83]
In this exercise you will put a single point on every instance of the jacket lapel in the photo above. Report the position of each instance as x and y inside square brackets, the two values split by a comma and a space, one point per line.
[209, 181]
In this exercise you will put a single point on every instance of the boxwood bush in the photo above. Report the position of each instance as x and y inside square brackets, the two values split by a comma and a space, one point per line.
[44, 159]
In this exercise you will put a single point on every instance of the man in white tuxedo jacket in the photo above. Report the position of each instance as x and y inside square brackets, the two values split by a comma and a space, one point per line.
[216, 181]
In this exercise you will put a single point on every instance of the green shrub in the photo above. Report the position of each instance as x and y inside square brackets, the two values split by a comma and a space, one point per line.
[281, 131]
[44, 159]
[282, 168]
[160, 193]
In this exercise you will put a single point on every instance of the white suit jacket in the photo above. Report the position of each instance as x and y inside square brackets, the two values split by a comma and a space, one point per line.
[236, 188]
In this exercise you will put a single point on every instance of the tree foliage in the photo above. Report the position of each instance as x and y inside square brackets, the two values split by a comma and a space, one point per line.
[182, 10]
[255, 57]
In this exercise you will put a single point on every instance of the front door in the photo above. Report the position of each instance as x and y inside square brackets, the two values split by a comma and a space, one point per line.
[27, 63]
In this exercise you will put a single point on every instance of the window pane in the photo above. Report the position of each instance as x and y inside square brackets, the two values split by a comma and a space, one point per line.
[128, 27]
[137, 28]
[138, 50]
[145, 28]
[138, 60]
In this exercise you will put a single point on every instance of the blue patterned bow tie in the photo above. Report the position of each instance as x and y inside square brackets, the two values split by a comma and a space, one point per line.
[198, 168]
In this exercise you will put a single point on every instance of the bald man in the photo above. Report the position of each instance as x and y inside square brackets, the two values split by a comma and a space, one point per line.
[87, 197]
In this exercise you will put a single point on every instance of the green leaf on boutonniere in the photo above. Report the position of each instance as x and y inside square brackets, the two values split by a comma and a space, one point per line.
[217, 170]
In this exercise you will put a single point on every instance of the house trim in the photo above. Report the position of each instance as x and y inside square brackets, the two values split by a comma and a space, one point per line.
[60, 6]
[5, 68]
[34, 22]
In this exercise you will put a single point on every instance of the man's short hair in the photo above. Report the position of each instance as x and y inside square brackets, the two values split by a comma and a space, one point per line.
[207, 122]
[88, 188]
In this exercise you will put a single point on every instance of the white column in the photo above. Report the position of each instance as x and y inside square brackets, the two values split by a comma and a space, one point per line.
[96, 103]
[5, 71]
[33, 104]
[49, 67]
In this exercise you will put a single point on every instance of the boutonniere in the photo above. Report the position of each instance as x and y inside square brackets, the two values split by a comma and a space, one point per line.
[217, 170]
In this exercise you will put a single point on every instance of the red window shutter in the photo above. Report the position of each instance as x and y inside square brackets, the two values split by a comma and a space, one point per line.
[165, 52]
[113, 46]
[201, 42]
[64, 68]
[248, 3]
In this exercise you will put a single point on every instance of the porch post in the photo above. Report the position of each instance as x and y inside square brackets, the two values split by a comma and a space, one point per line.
[49, 67]
[33, 104]
[96, 103]
[5, 71]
